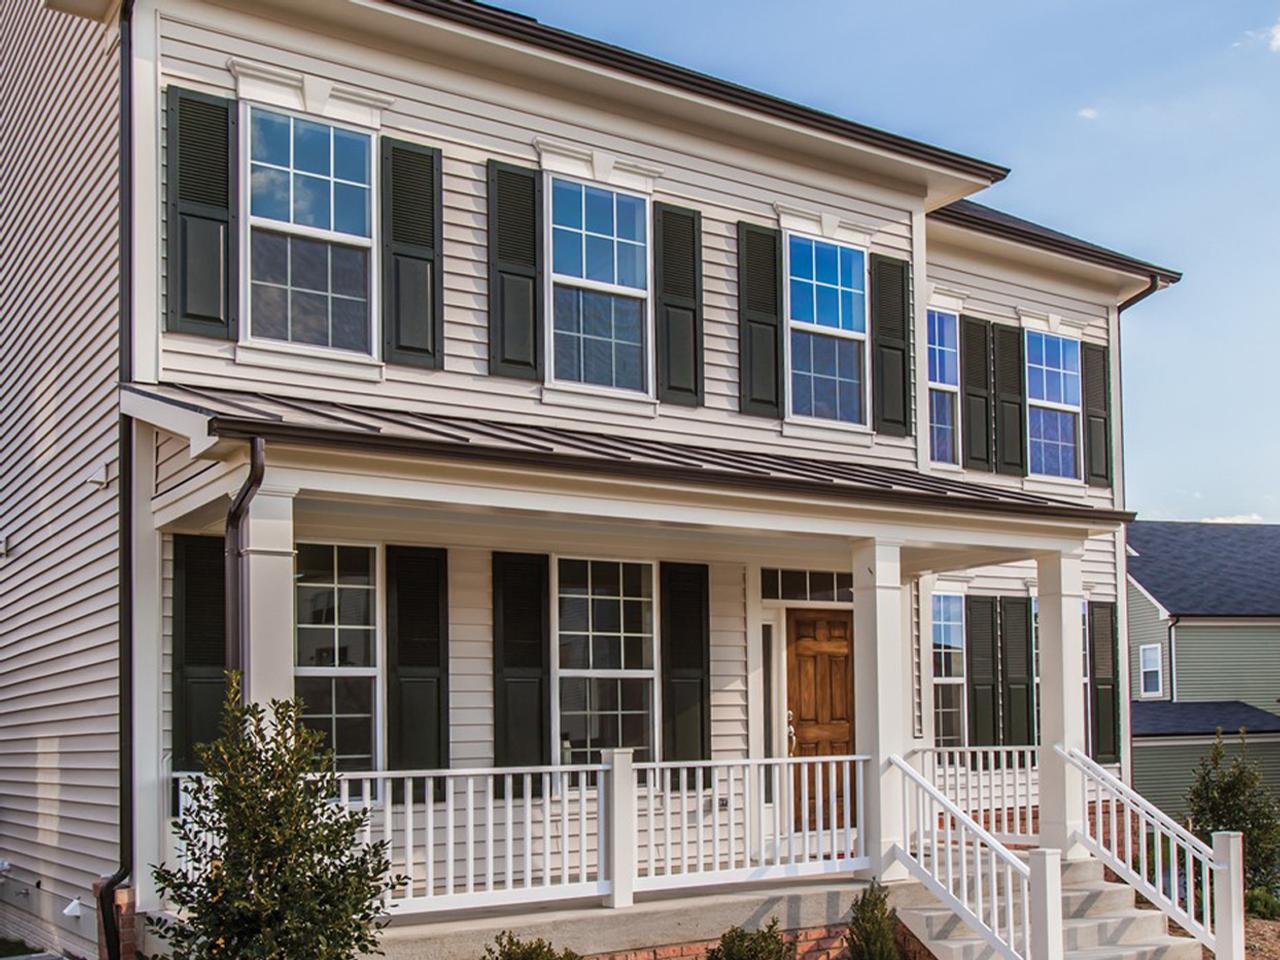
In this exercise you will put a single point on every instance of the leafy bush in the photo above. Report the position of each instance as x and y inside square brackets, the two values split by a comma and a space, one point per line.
[508, 947]
[873, 926]
[763, 944]
[275, 869]
[1262, 904]
[1230, 795]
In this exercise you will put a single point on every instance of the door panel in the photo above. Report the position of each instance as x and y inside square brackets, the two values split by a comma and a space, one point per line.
[819, 695]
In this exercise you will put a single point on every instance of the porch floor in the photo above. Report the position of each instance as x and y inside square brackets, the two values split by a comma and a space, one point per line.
[680, 916]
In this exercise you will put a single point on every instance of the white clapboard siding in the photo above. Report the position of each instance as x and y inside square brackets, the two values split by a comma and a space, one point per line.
[58, 423]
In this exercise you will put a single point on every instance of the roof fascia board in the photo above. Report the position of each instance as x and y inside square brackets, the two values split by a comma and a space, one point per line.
[184, 420]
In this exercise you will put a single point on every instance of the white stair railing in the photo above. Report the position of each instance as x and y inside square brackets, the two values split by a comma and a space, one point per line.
[1197, 886]
[969, 870]
[998, 786]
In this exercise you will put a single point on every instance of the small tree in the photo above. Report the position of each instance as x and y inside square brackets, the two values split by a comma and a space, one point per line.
[275, 869]
[509, 947]
[873, 926]
[767, 943]
[1230, 795]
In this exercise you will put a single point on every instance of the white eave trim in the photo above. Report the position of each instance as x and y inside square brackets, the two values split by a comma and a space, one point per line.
[587, 163]
[264, 83]
[188, 422]
[824, 223]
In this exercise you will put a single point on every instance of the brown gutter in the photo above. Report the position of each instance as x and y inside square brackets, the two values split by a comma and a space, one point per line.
[234, 428]
[237, 636]
[513, 26]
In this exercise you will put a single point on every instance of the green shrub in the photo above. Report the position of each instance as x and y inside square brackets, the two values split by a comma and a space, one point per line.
[1262, 904]
[873, 926]
[507, 947]
[1230, 795]
[275, 869]
[763, 944]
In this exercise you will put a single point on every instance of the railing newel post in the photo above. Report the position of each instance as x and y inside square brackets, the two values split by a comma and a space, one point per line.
[1046, 904]
[1228, 895]
[620, 799]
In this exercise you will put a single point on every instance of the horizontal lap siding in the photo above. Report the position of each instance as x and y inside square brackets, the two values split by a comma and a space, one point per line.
[1146, 627]
[1163, 772]
[58, 423]
[1228, 662]
[729, 705]
[490, 121]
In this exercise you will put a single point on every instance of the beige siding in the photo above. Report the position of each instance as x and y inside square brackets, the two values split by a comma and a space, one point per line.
[1146, 627]
[58, 367]
[1228, 662]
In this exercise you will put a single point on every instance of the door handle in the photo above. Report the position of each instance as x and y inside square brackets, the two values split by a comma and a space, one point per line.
[791, 734]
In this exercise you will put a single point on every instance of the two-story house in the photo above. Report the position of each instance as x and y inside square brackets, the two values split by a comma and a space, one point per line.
[649, 485]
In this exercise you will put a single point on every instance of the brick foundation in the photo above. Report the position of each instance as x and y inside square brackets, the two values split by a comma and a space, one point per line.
[124, 917]
[812, 943]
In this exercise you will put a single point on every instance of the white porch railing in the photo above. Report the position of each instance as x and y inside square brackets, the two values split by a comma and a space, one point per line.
[999, 787]
[970, 871]
[1198, 887]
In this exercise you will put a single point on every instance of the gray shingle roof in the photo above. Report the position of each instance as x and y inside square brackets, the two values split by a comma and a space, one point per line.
[1163, 718]
[1208, 569]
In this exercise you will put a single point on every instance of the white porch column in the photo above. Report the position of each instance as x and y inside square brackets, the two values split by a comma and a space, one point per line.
[1061, 643]
[266, 605]
[881, 694]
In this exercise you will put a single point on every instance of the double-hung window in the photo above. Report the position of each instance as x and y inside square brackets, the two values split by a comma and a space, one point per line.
[1152, 669]
[310, 232]
[1053, 404]
[944, 386]
[606, 658]
[600, 283]
[827, 330]
[335, 648]
[948, 670]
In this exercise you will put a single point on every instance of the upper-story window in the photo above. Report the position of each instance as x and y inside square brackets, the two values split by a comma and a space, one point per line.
[599, 262]
[944, 386]
[310, 236]
[1152, 669]
[827, 323]
[1053, 404]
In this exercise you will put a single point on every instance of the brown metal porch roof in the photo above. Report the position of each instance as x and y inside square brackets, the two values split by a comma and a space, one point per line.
[299, 421]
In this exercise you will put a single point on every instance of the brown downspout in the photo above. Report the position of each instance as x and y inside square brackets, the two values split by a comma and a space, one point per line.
[237, 635]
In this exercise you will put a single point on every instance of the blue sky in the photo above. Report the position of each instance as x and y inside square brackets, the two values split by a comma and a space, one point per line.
[1150, 127]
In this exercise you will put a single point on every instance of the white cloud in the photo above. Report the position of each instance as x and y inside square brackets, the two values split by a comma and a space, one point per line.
[1273, 37]
[1235, 518]
[1268, 35]
[1092, 113]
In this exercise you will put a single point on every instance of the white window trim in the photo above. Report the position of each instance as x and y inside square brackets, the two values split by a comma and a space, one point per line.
[292, 90]
[1077, 480]
[815, 328]
[245, 340]
[550, 380]
[961, 681]
[1143, 670]
[957, 463]
[378, 670]
[654, 675]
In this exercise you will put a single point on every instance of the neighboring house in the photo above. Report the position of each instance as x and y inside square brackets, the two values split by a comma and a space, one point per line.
[1204, 649]
[558, 423]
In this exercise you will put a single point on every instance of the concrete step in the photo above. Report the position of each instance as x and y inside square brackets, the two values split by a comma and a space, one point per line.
[1157, 948]
[936, 923]
[1097, 899]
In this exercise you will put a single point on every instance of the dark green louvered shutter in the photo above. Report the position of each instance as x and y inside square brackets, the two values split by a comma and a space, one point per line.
[1011, 400]
[1017, 678]
[1096, 390]
[417, 658]
[686, 661]
[760, 325]
[199, 644]
[515, 271]
[980, 670]
[412, 291]
[521, 659]
[201, 215]
[1104, 687]
[891, 345]
[677, 278]
[977, 418]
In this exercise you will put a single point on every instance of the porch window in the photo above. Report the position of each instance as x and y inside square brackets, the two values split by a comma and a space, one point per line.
[827, 324]
[948, 670]
[1053, 411]
[335, 592]
[310, 236]
[606, 666]
[1152, 679]
[944, 386]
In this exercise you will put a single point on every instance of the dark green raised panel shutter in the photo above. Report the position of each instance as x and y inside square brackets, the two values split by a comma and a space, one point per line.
[891, 345]
[417, 658]
[199, 644]
[975, 380]
[201, 216]
[760, 328]
[515, 271]
[980, 667]
[1104, 687]
[1096, 371]
[1011, 400]
[686, 661]
[521, 659]
[1017, 681]
[412, 292]
[677, 278]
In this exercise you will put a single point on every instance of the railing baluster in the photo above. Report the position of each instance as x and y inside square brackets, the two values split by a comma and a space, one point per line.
[509, 865]
[564, 826]
[429, 809]
[471, 834]
[777, 813]
[408, 834]
[666, 816]
[582, 825]
[526, 802]
[488, 834]
[546, 829]
[448, 835]
[715, 818]
[653, 815]
[818, 803]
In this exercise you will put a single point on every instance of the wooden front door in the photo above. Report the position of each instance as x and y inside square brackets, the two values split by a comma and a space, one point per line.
[819, 690]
